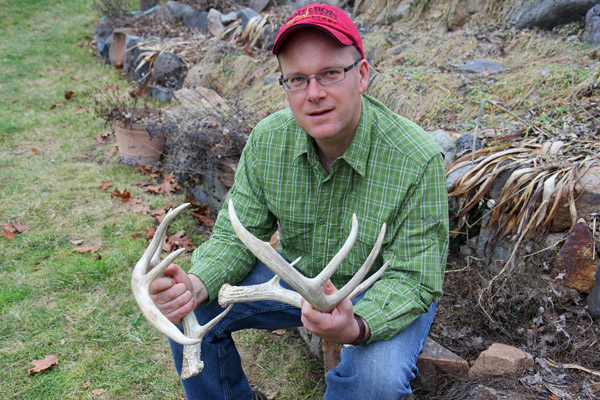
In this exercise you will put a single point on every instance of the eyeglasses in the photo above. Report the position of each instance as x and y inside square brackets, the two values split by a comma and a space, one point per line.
[326, 77]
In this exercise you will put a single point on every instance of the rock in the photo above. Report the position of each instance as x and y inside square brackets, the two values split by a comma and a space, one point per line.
[160, 93]
[500, 181]
[230, 18]
[436, 361]
[246, 15]
[259, 5]
[446, 143]
[502, 250]
[501, 359]
[169, 70]
[179, 10]
[132, 59]
[384, 12]
[215, 27]
[392, 14]
[587, 200]
[593, 300]
[482, 67]
[592, 25]
[148, 4]
[272, 79]
[481, 392]
[450, 179]
[200, 102]
[577, 260]
[547, 14]
[460, 12]
[465, 143]
[197, 19]
[103, 36]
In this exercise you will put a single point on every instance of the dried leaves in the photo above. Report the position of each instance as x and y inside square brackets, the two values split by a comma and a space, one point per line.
[11, 229]
[542, 175]
[42, 365]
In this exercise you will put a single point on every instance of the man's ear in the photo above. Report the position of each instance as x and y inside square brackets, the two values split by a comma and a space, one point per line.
[363, 71]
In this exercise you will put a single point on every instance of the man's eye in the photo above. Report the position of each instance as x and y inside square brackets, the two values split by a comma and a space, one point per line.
[332, 73]
[296, 79]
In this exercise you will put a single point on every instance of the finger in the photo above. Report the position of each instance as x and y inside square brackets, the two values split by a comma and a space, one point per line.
[165, 297]
[329, 288]
[181, 307]
[160, 284]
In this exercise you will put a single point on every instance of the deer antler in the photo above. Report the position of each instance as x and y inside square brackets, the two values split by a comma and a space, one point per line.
[309, 288]
[148, 268]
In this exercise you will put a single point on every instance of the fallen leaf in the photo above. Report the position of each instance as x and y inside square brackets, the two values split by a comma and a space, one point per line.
[124, 195]
[68, 94]
[141, 209]
[145, 169]
[132, 201]
[76, 242]
[63, 342]
[279, 331]
[19, 227]
[79, 109]
[34, 150]
[206, 221]
[159, 215]
[136, 236]
[179, 241]
[42, 365]
[56, 106]
[85, 249]
[86, 384]
[8, 233]
[105, 184]
[110, 152]
[98, 392]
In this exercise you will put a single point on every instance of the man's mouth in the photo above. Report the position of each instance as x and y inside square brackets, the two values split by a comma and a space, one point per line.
[318, 113]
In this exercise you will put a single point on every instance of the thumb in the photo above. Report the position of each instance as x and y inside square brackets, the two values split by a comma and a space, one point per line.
[329, 288]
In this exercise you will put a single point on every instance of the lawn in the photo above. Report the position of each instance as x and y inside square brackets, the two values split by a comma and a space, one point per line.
[75, 305]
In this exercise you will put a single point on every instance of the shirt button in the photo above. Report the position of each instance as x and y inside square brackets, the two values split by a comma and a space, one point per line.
[318, 259]
[321, 221]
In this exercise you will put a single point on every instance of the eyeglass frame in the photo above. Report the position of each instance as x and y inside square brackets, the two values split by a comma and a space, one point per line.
[283, 81]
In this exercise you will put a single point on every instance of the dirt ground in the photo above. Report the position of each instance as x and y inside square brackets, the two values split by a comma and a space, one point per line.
[527, 310]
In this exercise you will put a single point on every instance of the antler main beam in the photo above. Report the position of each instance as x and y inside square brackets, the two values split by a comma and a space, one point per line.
[311, 289]
[148, 268]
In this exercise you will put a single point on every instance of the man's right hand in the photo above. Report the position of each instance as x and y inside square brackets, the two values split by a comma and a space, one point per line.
[177, 293]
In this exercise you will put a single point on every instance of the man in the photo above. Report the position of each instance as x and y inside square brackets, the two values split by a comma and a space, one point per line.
[308, 168]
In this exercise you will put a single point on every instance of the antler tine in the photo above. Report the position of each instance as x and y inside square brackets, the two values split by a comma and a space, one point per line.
[321, 279]
[345, 291]
[311, 289]
[264, 252]
[141, 280]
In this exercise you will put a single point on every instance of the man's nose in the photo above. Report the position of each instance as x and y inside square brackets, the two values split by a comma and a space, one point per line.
[315, 89]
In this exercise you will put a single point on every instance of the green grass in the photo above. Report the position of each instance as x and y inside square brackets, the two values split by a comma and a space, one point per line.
[79, 307]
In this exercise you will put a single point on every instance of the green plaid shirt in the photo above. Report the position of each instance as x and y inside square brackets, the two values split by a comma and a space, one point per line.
[392, 173]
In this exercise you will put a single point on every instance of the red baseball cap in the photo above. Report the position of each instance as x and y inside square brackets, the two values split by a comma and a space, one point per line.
[325, 17]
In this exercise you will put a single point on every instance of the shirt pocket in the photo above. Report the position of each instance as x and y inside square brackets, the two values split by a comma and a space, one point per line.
[369, 227]
[297, 231]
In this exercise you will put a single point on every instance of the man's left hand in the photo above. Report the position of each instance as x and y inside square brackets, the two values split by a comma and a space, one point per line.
[337, 326]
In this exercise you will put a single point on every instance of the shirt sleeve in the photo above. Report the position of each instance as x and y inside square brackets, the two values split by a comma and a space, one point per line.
[224, 258]
[418, 252]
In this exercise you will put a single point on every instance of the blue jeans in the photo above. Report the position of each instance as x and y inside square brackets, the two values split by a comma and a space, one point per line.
[379, 371]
